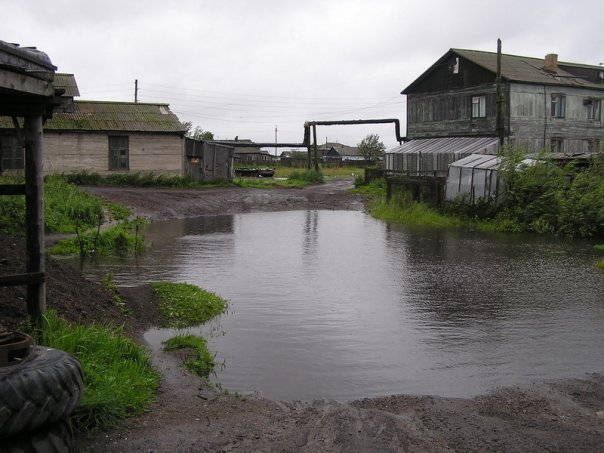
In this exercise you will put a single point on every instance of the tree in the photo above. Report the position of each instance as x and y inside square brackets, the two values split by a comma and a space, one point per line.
[371, 148]
[198, 133]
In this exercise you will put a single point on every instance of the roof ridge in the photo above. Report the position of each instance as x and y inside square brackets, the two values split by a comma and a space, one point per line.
[88, 101]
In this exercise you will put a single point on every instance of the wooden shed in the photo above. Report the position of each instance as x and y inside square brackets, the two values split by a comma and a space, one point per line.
[206, 161]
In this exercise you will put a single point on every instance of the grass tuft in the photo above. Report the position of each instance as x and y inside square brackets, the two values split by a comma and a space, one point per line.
[183, 304]
[118, 377]
[200, 361]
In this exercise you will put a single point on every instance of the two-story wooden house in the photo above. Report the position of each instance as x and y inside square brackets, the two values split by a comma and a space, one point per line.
[452, 109]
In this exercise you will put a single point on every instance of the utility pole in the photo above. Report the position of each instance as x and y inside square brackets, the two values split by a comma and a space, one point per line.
[136, 91]
[500, 101]
[275, 141]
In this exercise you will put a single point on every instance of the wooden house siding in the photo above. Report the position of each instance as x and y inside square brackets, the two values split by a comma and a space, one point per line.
[532, 125]
[76, 151]
[449, 113]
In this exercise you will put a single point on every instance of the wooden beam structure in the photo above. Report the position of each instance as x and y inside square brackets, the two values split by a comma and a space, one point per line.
[26, 91]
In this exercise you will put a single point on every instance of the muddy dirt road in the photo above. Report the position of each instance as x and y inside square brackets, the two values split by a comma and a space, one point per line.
[165, 204]
[189, 416]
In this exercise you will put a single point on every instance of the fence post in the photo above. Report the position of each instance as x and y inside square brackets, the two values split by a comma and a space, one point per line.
[34, 205]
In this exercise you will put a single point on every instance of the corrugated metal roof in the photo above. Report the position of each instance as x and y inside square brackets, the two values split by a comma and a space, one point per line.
[117, 116]
[528, 69]
[462, 145]
[66, 82]
[482, 161]
[485, 162]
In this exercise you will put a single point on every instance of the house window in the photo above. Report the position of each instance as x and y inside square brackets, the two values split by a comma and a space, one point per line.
[479, 106]
[558, 105]
[593, 146]
[118, 152]
[557, 145]
[11, 153]
[593, 109]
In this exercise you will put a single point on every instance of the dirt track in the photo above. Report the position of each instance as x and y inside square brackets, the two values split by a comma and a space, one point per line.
[189, 417]
[165, 204]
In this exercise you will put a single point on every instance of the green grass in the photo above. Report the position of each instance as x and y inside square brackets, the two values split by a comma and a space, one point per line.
[412, 213]
[118, 377]
[123, 239]
[375, 188]
[600, 264]
[66, 208]
[200, 361]
[137, 179]
[183, 304]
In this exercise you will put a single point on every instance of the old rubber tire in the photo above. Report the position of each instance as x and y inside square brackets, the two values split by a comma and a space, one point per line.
[46, 387]
[54, 438]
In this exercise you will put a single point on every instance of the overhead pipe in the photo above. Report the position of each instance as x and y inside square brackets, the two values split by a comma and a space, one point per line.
[307, 125]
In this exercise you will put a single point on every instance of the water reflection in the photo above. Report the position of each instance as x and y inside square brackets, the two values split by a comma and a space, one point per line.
[328, 304]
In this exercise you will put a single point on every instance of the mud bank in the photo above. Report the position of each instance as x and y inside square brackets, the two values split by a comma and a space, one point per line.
[190, 416]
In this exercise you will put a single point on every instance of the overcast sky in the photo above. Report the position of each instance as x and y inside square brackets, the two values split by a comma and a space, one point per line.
[243, 68]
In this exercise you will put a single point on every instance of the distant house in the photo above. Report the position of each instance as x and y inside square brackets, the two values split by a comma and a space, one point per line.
[334, 151]
[249, 155]
[103, 137]
[452, 109]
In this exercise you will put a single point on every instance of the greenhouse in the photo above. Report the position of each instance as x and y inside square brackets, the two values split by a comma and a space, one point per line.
[434, 155]
[475, 177]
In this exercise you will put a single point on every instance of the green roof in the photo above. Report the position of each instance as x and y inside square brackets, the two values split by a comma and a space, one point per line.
[516, 68]
[527, 69]
[117, 117]
[66, 82]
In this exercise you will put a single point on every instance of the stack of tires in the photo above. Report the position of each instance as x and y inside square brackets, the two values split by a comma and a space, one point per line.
[37, 395]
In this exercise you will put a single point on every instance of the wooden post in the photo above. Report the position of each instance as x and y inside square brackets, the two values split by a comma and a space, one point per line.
[34, 205]
[500, 102]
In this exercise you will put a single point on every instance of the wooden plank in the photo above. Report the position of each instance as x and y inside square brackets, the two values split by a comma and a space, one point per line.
[12, 189]
[33, 278]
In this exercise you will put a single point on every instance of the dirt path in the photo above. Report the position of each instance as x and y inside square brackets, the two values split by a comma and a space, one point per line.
[189, 416]
[165, 204]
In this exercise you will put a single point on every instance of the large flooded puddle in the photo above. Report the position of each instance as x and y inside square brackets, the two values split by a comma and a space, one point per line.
[335, 304]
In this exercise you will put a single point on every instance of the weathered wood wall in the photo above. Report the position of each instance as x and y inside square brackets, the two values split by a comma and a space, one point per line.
[532, 125]
[449, 113]
[68, 152]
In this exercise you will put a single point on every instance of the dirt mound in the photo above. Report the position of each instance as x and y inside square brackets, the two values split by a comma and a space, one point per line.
[73, 296]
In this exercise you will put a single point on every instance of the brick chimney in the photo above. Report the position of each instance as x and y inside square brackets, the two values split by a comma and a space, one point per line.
[550, 64]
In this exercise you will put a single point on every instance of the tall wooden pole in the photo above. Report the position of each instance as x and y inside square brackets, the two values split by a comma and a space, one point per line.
[34, 206]
[500, 102]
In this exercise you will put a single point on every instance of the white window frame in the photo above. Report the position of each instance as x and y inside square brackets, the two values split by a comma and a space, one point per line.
[594, 107]
[558, 106]
[479, 106]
